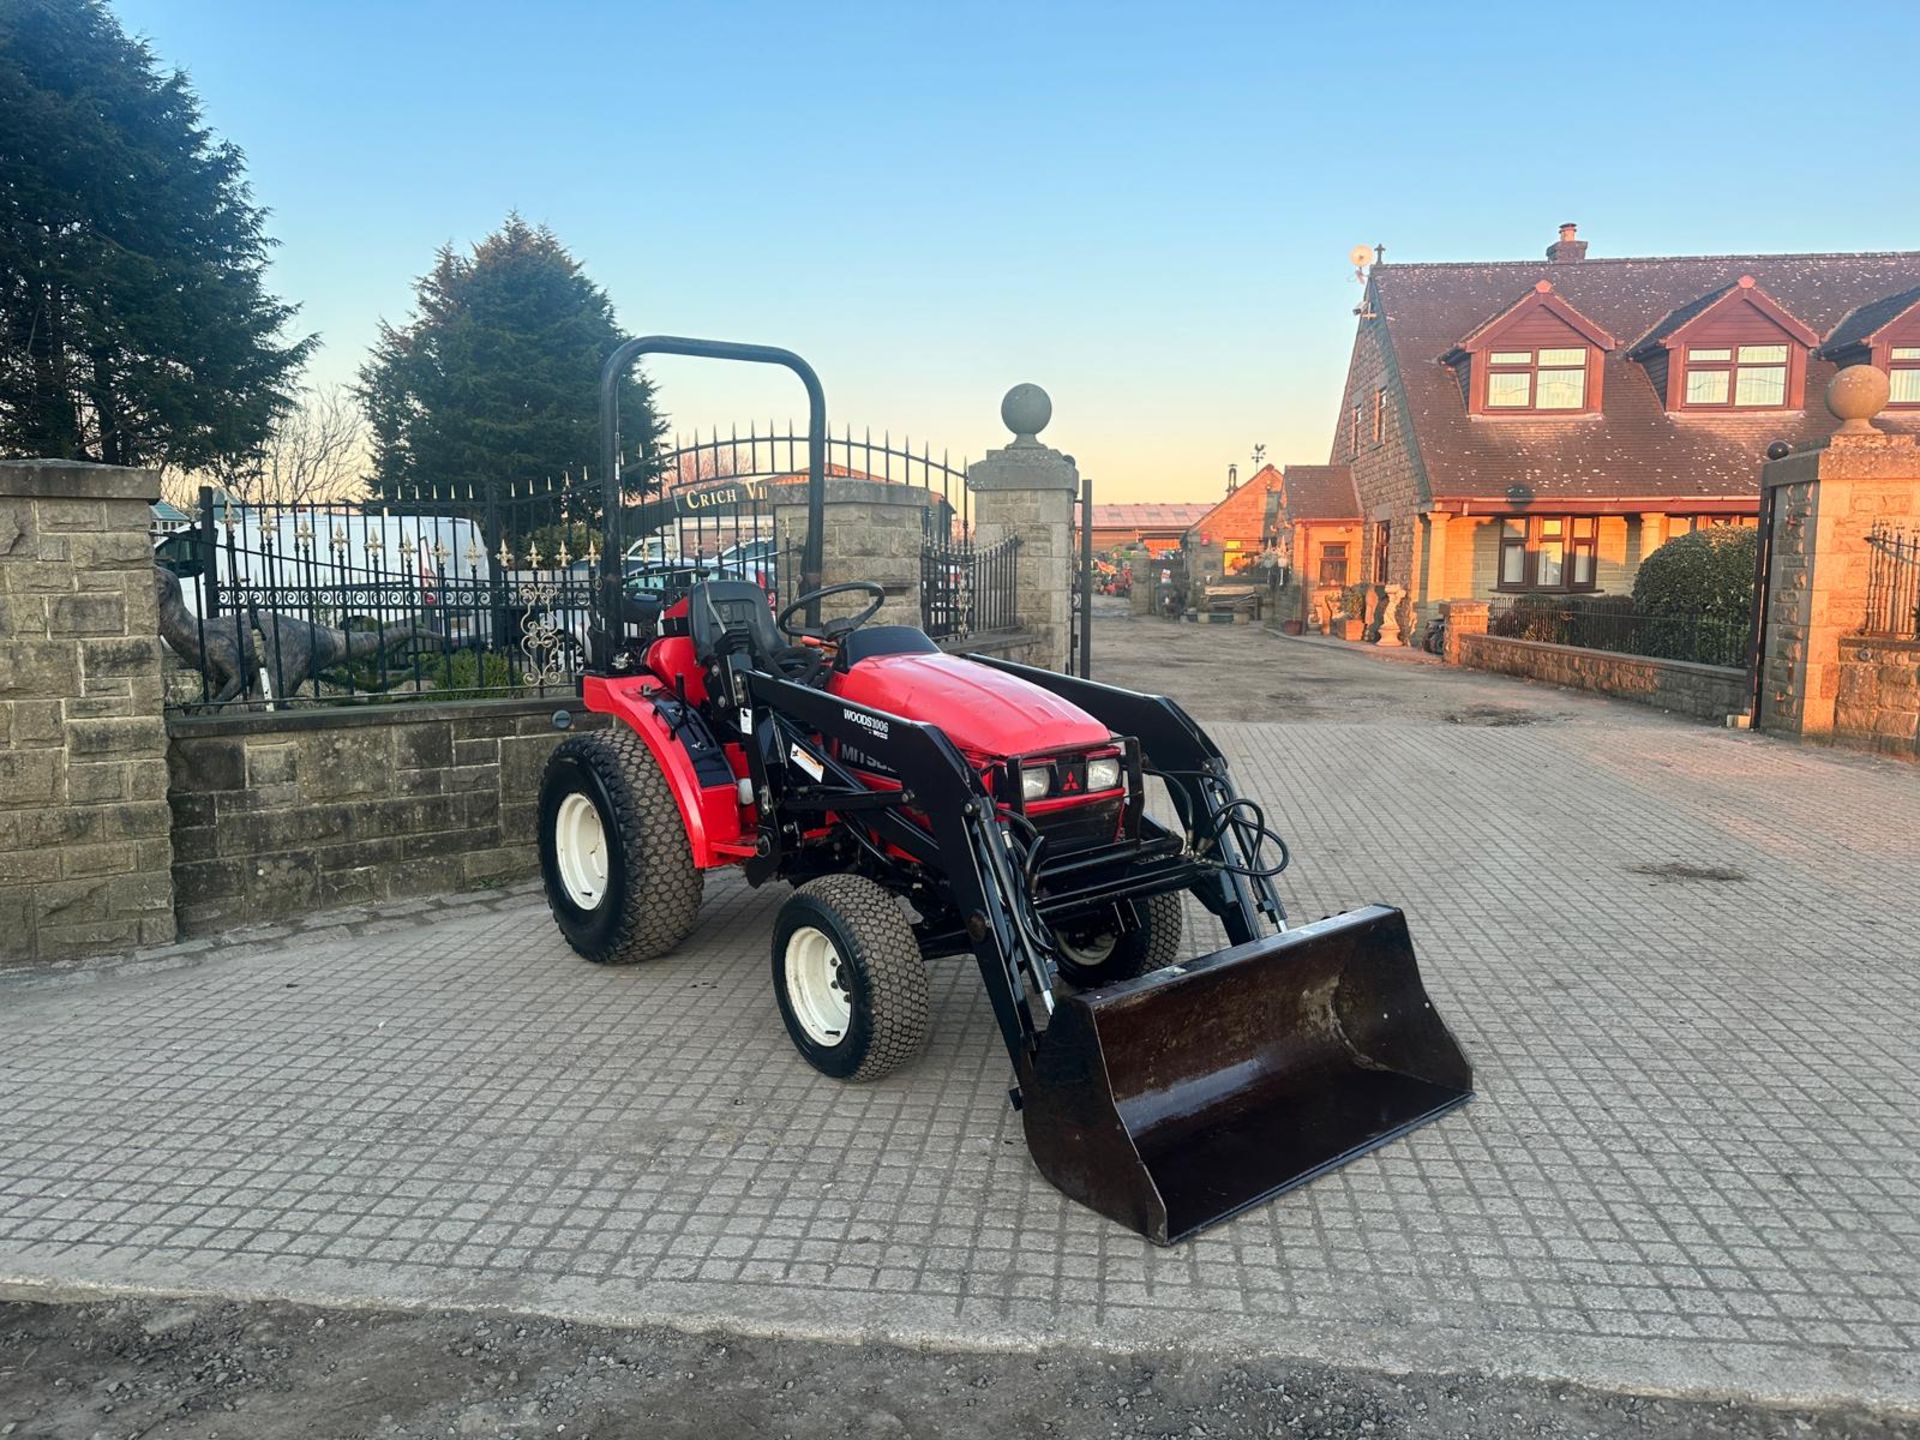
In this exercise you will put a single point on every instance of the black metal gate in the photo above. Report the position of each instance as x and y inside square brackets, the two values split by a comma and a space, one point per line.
[964, 589]
[1080, 628]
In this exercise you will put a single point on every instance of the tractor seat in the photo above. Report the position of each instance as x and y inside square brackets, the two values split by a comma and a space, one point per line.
[723, 613]
[872, 640]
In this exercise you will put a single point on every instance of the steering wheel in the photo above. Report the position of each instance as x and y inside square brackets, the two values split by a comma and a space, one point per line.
[832, 629]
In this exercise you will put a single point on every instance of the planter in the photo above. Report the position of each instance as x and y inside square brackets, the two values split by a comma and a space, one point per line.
[1291, 627]
[1348, 628]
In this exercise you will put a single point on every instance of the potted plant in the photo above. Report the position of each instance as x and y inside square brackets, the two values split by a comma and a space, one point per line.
[1351, 622]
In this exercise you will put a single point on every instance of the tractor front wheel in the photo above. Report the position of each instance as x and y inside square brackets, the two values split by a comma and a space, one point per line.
[1096, 954]
[849, 978]
[619, 872]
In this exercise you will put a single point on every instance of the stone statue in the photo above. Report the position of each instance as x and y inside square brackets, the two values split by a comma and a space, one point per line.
[292, 651]
[221, 649]
[295, 651]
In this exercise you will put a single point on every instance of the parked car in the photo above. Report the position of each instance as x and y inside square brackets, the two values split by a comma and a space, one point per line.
[755, 560]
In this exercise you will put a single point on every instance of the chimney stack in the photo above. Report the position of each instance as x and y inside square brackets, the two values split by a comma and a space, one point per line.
[1566, 247]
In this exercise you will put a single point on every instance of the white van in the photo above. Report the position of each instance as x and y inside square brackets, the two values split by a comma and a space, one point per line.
[327, 565]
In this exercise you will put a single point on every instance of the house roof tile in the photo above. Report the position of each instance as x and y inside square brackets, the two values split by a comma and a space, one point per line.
[1321, 492]
[1636, 448]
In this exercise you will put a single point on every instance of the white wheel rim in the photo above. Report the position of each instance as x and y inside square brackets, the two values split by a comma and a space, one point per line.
[580, 846]
[823, 1008]
[1088, 952]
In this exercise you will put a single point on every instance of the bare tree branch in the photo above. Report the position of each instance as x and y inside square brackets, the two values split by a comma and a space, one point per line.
[315, 453]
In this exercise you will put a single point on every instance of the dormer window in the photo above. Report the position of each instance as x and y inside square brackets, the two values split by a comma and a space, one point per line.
[1744, 377]
[1553, 379]
[1885, 334]
[1903, 375]
[1540, 356]
[1735, 348]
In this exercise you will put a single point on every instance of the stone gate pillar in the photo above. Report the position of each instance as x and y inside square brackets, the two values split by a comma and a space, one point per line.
[1026, 490]
[873, 532]
[85, 847]
[1824, 500]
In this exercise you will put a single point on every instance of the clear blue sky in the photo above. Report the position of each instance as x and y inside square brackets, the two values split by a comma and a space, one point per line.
[1145, 208]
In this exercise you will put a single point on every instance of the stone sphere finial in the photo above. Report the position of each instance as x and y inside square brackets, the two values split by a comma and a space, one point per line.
[1025, 411]
[1855, 396]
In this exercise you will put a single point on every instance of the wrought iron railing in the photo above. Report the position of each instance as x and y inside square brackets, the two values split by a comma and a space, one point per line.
[1893, 583]
[444, 595]
[353, 603]
[1610, 623]
[775, 454]
[968, 590]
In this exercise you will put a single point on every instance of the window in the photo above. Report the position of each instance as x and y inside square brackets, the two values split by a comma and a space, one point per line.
[1549, 379]
[1333, 563]
[1742, 377]
[1548, 552]
[1687, 524]
[1903, 375]
[1379, 415]
[1354, 435]
[1382, 546]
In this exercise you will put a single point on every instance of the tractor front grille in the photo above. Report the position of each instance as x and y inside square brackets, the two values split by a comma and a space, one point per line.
[1073, 828]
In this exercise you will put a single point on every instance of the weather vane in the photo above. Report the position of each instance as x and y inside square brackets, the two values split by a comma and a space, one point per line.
[1259, 455]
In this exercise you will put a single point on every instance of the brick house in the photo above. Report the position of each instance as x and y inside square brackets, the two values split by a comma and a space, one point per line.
[1517, 426]
[1317, 525]
[1232, 535]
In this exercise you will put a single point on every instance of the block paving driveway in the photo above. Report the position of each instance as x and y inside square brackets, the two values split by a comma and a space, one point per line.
[1683, 960]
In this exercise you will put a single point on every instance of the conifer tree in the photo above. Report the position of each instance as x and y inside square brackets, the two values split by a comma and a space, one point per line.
[135, 324]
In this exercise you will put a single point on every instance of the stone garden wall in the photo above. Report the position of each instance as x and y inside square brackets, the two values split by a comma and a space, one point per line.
[1706, 692]
[84, 852]
[275, 814]
[1877, 706]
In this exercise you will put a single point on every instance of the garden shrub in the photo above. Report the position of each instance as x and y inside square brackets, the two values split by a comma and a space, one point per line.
[1708, 573]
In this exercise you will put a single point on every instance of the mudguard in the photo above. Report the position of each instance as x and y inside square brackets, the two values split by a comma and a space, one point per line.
[711, 813]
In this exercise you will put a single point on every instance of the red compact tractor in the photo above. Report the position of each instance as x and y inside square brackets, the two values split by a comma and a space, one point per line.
[925, 805]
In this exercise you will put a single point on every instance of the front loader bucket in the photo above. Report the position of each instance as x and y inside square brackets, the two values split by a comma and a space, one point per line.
[1176, 1100]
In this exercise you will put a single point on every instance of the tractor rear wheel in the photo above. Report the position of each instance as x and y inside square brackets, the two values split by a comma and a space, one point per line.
[1092, 955]
[849, 979]
[614, 855]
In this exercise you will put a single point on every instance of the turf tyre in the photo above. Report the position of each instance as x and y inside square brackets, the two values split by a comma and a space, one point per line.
[1090, 960]
[881, 975]
[652, 891]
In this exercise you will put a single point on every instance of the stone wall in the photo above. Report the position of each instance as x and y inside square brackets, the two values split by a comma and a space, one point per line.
[1878, 701]
[274, 814]
[1386, 472]
[1025, 491]
[1706, 692]
[84, 853]
[1825, 501]
[874, 532]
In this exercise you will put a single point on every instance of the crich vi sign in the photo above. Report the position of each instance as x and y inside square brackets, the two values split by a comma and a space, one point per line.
[710, 499]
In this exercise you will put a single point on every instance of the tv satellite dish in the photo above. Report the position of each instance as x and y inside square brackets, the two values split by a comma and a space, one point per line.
[1360, 257]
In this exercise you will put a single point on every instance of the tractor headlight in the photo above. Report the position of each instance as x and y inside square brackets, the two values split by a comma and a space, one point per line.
[1035, 781]
[1103, 774]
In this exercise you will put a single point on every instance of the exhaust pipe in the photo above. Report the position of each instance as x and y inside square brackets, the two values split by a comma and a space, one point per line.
[1174, 1101]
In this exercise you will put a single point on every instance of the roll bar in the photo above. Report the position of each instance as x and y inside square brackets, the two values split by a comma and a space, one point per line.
[614, 538]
